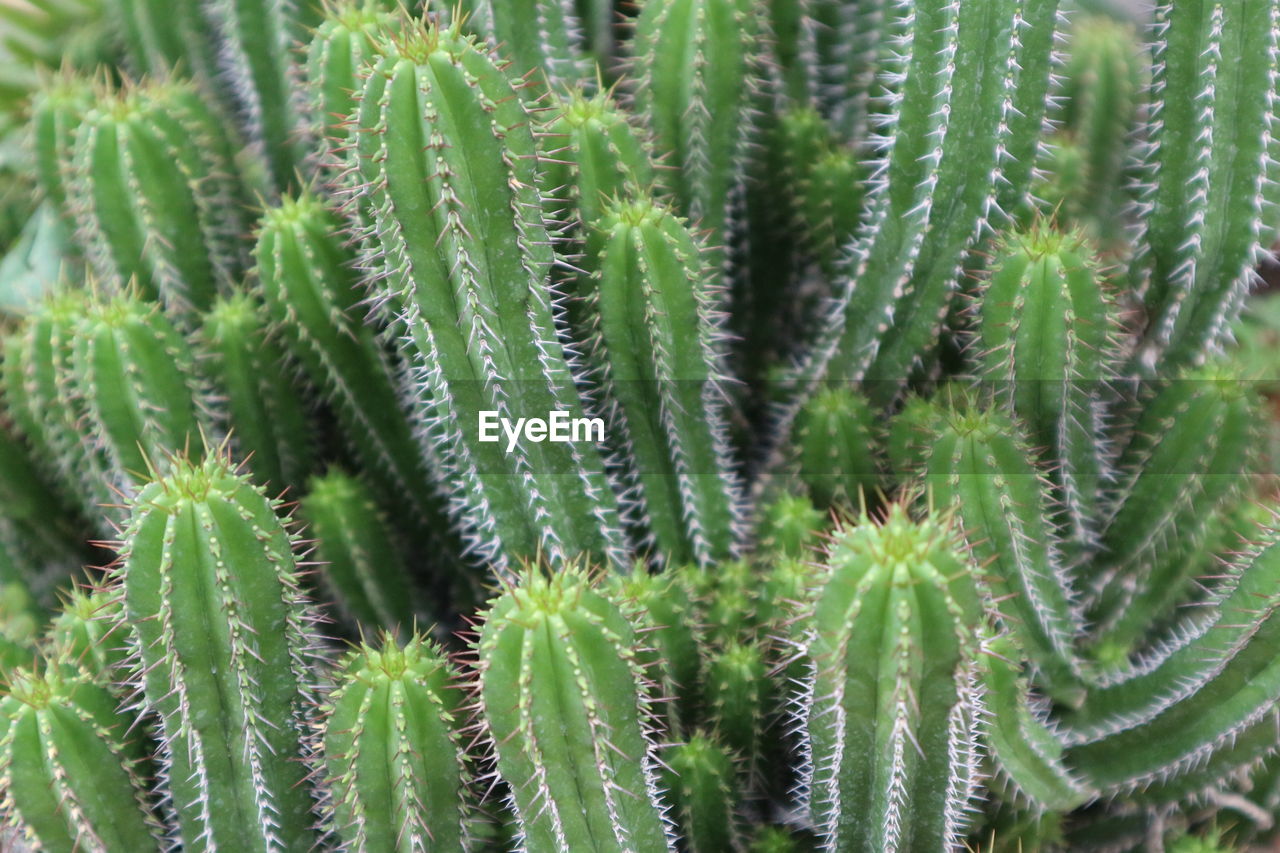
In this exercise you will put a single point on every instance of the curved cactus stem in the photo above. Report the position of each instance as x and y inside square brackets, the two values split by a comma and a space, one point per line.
[1214, 91]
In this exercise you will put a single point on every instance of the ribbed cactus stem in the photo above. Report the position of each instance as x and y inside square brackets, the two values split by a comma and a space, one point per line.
[652, 293]
[357, 552]
[69, 766]
[565, 706]
[222, 640]
[261, 400]
[256, 43]
[841, 47]
[461, 257]
[694, 72]
[340, 48]
[56, 113]
[837, 447]
[135, 375]
[1047, 337]
[1213, 93]
[155, 195]
[959, 72]
[700, 782]
[162, 36]
[1191, 446]
[737, 693]
[1102, 82]
[87, 635]
[981, 468]
[890, 712]
[393, 753]
[543, 39]
[1202, 705]
[312, 294]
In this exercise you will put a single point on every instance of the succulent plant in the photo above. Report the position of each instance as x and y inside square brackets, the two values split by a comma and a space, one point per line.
[715, 425]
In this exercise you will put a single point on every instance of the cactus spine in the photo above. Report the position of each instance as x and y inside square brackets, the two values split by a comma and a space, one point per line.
[652, 291]
[393, 753]
[565, 707]
[890, 712]
[461, 257]
[221, 636]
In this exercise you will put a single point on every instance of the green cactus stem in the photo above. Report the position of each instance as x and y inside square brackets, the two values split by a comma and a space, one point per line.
[357, 552]
[263, 405]
[567, 712]
[222, 640]
[69, 766]
[460, 258]
[890, 711]
[700, 781]
[652, 294]
[837, 447]
[1213, 96]
[342, 45]
[393, 754]
[156, 198]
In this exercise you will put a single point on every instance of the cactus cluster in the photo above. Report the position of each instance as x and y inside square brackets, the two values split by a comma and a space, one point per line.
[690, 425]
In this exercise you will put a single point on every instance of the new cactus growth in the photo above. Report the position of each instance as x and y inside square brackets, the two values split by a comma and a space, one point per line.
[221, 639]
[890, 713]
[393, 750]
[565, 706]
[700, 781]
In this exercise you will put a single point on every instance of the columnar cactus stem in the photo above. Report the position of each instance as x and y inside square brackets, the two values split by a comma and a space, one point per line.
[946, 141]
[155, 195]
[358, 554]
[87, 636]
[836, 444]
[1047, 340]
[69, 766]
[135, 376]
[544, 38]
[1102, 81]
[1214, 88]
[1190, 448]
[737, 694]
[841, 45]
[56, 113]
[567, 712]
[221, 635]
[341, 47]
[256, 40]
[312, 295]
[652, 295]
[890, 712]
[261, 401]
[161, 36]
[700, 782]
[461, 257]
[393, 754]
[979, 467]
[695, 65]
[1200, 707]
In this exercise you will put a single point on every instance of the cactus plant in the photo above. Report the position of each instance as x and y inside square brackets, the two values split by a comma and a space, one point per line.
[917, 498]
